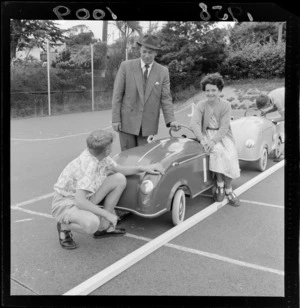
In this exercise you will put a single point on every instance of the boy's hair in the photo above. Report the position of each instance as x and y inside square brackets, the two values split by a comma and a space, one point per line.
[214, 79]
[262, 101]
[98, 141]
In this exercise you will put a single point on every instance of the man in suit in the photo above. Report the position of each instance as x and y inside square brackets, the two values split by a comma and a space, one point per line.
[141, 87]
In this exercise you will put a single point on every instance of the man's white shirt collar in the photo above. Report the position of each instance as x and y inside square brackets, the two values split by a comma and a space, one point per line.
[143, 65]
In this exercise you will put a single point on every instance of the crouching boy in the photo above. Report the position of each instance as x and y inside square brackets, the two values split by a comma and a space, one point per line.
[84, 183]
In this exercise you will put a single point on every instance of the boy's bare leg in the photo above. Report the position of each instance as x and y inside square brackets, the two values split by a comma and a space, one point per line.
[88, 223]
[111, 190]
[83, 222]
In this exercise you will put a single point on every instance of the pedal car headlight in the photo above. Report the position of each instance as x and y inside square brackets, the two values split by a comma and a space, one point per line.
[147, 186]
[249, 143]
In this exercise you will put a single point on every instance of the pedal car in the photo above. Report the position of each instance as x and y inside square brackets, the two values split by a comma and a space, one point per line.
[186, 173]
[256, 137]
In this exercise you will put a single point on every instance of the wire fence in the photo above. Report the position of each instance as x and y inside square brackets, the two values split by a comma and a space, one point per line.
[71, 91]
[39, 89]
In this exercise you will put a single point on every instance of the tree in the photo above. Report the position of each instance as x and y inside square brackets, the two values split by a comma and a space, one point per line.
[245, 33]
[84, 38]
[127, 28]
[82, 58]
[29, 33]
[190, 49]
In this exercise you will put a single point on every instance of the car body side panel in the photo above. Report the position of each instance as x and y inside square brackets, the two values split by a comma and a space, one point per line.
[185, 164]
[258, 129]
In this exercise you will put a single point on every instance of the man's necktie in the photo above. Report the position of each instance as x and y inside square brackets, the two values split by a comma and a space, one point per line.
[146, 73]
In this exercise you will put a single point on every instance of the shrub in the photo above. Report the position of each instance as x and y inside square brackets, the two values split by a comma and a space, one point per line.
[255, 61]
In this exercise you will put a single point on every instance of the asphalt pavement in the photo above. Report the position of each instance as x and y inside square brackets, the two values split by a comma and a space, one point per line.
[233, 252]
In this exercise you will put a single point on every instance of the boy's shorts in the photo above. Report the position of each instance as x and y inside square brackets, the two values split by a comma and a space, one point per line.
[62, 207]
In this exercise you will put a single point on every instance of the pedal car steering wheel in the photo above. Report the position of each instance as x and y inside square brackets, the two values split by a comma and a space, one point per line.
[264, 116]
[181, 126]
[252, 109]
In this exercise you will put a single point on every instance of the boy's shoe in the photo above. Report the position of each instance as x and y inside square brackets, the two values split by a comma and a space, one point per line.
[67, 241]
[233, 199]
[104, 233]
[121, 215]
[219, 194]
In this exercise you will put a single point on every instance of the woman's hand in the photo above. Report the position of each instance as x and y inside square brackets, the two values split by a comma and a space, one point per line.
[204, 144]
[153, 169]
[209, 146]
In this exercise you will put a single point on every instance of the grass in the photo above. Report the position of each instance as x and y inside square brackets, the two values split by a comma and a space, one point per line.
[234, 92]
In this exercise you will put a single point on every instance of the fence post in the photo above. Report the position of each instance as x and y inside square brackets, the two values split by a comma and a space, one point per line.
[92, 69]
[48, 74]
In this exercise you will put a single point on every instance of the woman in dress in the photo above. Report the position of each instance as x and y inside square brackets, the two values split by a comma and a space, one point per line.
[211, 126]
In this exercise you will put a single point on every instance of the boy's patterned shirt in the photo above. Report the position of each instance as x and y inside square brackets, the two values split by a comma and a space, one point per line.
[85, 172]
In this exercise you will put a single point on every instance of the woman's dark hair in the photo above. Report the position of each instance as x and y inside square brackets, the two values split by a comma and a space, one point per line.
[215, 79]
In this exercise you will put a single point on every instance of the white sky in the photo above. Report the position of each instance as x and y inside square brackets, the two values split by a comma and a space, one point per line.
[96, 27]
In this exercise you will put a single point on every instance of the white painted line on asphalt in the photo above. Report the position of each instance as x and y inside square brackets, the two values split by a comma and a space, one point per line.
[182, 248]
[258, 178]
[56, 138]
[23, 220]
[75, 135]
[225, 259]
[186, 107]
[213, 256]
[30, 212]
[121, 265]
[251, 202]
[264, 204]
[33, 200]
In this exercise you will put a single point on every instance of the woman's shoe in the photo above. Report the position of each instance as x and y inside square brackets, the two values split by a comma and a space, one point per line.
[219, 194]
[233, 199]
[66, 241]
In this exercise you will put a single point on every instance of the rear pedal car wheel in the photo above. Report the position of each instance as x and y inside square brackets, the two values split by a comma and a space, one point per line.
[178, 207]
[262, 162]
[278, 149]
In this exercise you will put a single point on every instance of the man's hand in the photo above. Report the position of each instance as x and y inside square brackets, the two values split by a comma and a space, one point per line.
[175, 125]
[153, 169]
[263, 113]
[116, 126]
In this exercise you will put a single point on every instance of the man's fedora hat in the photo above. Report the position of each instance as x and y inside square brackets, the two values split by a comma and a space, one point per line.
[149, 41]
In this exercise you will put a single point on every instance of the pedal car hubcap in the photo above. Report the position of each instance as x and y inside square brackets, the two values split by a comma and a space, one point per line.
[181, 208]
[264, 159]
[277, 150]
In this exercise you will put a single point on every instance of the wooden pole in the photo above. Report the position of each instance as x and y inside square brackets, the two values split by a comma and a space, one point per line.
[92, 69]
[48, 74]
[280, 27]
[104, 31]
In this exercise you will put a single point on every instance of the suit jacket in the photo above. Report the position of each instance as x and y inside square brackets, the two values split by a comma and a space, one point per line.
[202, 115]
[133, 107]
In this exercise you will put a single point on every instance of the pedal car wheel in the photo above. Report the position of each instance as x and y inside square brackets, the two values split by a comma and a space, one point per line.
[178, 207]
[262, 162]
[278, 147]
